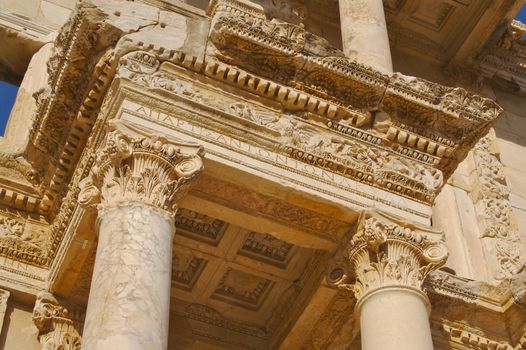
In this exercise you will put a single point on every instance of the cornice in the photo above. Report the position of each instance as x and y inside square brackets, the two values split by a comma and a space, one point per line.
[429, 129]
[500, 298]
[505, 61]
[400, 96]
[288, 54]
[487, 316]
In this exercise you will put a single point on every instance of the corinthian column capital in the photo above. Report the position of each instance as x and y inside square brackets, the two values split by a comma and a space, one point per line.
[387, 252]
[56, 329]
[138, 165]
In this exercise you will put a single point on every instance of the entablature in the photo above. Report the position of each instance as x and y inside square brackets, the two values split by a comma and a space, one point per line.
[272, 103]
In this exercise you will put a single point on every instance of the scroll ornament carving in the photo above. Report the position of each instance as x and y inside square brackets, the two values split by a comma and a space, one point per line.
[493, 206]
[351, 155]
[21, 240]
[135, 165]
[387, 254]
[56, 329]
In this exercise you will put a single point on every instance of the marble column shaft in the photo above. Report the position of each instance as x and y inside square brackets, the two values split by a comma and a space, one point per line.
[364, 33]
[129, 299]
[395, 318]
[385, 265]
[134, 185]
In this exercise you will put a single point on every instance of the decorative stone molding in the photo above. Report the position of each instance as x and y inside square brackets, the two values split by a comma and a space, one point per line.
[23, 239]
[330, 323]
[505, 61]
[438, 120]
[443, 283]
[267, 248]
[339, 146]
[250, 295]
[4, 297]
[386, 252]
[211, 316]
[56, 329]
[469, 338]
[496, 217]
[135, 165]
[199, 226]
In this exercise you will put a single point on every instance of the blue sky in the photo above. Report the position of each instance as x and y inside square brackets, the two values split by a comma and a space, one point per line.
[8, 91]
[7, 99]
[521, 16]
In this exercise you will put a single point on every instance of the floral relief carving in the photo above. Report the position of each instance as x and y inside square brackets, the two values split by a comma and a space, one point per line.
[56, 329]
[134, 165]
[272, 208]
[18, 236]
[387, 253]
[491, 198]
[408, 157]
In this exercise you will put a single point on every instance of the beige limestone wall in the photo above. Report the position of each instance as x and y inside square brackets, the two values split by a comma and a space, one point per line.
[19, 331]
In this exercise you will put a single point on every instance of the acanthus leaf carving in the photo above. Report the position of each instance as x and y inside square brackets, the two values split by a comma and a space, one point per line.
[137, 165]
[56, 329]
[386, 252]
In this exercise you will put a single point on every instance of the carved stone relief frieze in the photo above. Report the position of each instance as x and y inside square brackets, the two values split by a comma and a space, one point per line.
[410, 156]
[4, 298]
[470, 338]
[347, 152]
[56, 329]
[496, 218]
[507, 57]
[268, 207]
[23, 239]
[331, 321]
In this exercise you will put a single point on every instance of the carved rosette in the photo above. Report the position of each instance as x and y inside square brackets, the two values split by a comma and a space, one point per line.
[387, 253]
[137, 165]
[56, 329]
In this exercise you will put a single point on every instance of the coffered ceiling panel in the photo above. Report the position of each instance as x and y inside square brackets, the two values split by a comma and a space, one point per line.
[231, 281]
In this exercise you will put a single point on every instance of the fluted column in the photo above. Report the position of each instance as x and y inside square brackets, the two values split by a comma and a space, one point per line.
[385, 265]
[135, 183]
[364, 33]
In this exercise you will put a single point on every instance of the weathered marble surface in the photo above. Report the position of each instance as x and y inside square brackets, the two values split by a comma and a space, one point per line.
[395, 319]
[130, 291]
[364, 33]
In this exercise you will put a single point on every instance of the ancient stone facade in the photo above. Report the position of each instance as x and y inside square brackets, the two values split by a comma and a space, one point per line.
[263, 174]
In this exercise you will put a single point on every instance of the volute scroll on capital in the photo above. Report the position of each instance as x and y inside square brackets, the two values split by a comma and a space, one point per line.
[387, 252]
[135, 164]
[56, 329]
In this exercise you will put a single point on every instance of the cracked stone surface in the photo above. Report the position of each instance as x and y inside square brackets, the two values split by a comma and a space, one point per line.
[130, 292]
